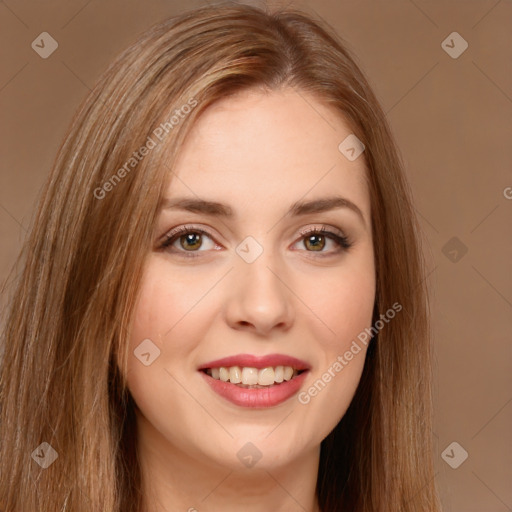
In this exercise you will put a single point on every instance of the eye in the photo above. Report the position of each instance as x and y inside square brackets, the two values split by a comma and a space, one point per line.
[316, 239]
[189, 239]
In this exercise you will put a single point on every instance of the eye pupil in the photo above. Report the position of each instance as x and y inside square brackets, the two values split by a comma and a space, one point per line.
[193, 238]
[317, 242]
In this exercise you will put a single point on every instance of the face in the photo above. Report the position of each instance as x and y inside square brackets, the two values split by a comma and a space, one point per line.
[252, 279]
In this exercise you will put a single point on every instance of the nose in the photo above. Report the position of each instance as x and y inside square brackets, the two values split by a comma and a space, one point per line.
[259, 299]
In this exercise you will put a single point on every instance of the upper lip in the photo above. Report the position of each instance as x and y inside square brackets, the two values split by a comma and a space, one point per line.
[252, 361]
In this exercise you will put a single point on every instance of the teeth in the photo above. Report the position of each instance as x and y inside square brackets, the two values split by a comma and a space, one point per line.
[248, 376]
[266, 376]
[235, 374]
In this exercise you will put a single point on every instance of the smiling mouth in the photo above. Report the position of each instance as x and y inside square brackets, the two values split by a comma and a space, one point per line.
[253, 378]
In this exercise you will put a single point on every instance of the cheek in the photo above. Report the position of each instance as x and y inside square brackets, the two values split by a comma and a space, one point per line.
[162, 303]
[165, 299]
[352, 311]
[160, 315]
[343, 303]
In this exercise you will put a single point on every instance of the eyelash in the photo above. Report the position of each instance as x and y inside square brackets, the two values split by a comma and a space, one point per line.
[342, 241]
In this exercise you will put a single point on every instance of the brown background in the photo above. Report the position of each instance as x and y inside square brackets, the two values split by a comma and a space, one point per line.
[452, 119]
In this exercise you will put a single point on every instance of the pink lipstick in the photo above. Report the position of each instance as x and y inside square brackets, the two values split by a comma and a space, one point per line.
[255, 381]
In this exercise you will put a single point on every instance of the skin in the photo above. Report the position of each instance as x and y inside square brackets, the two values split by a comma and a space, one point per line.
[258, 153]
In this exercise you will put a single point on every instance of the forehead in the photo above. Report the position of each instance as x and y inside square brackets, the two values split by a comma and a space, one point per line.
[260, 148]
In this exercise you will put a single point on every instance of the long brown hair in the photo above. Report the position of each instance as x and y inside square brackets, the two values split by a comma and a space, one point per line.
[69, 313]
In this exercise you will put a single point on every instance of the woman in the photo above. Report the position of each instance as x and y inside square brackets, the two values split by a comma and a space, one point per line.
[222, 302]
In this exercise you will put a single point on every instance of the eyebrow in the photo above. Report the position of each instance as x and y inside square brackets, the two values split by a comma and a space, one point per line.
[298, 208]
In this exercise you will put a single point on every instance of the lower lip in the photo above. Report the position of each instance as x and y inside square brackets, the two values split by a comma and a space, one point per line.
[256, 397]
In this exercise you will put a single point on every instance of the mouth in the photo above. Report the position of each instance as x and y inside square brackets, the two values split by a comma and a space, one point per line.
[252, 381]
[253, 378]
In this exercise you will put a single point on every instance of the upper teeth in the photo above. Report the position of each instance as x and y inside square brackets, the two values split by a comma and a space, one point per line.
[252, 376]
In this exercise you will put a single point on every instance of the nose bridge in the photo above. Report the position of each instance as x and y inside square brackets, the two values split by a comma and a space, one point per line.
[258, 266]
[258, 293]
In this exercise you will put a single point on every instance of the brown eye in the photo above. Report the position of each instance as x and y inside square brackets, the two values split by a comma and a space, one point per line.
[188, 241]
[324, 242]
[191, 241]
[314, 242]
